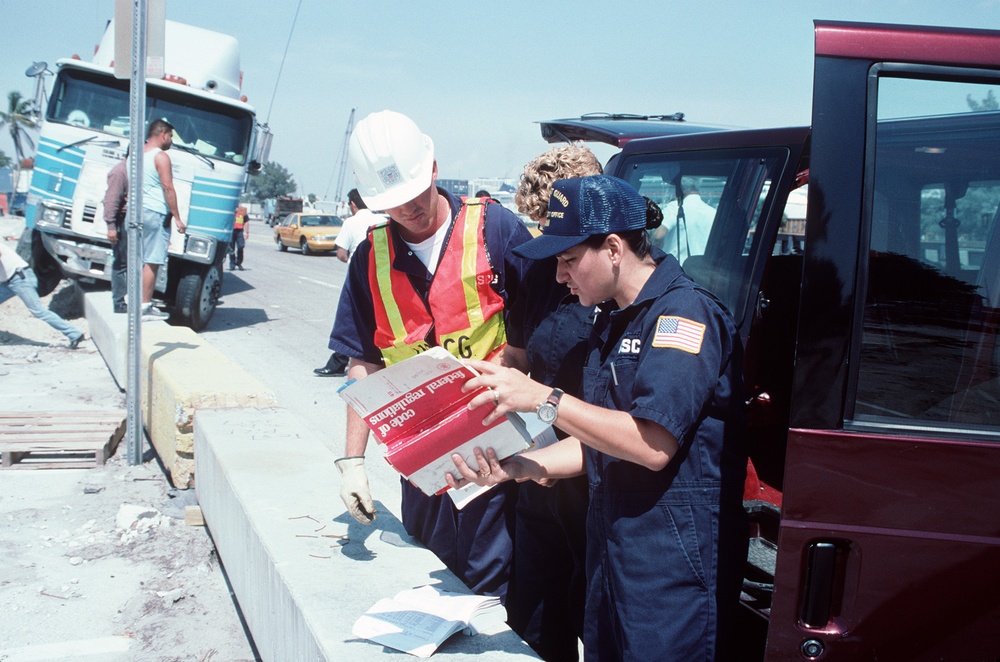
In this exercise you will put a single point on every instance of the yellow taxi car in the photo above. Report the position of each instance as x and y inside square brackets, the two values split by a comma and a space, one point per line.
[310, 232]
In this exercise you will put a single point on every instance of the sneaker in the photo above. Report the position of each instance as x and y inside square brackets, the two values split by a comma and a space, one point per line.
[121, 309]
[151, 314]
[75, 342]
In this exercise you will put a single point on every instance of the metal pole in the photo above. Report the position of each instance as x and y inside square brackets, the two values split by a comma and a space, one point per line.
[137, 135]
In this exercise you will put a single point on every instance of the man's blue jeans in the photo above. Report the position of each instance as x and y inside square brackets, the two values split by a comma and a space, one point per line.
[25, 285]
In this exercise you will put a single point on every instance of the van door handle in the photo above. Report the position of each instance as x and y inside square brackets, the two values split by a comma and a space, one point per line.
[763, 303]
[817, 602]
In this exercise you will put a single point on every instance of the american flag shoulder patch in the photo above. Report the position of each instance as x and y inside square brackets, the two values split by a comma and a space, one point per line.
[679, 333]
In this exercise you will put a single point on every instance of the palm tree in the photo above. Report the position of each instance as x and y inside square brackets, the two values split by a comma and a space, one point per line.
[19, 118]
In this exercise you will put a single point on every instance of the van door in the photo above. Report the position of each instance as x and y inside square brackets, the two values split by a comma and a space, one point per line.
[741, 236]
[889, 544]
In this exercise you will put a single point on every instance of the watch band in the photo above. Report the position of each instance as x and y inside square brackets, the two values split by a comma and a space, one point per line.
[548, 411]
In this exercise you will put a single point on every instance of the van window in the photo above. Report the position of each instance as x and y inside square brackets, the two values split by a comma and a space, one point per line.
[713, 232]
[928, 353]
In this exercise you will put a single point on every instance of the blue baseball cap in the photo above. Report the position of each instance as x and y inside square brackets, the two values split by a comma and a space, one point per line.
[581, 207]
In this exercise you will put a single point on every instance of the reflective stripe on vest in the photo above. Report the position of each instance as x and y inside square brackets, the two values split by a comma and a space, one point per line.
[465, 312]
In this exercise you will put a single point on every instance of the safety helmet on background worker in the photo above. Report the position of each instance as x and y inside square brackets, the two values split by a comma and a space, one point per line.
[393, 160]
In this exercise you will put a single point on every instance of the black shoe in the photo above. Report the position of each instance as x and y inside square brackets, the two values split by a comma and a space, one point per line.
[121, 309]
[330, 372]
[240, 267]
[75, 342]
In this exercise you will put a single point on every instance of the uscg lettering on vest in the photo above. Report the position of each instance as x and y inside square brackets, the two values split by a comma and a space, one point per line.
[463, 312]
[459, 347]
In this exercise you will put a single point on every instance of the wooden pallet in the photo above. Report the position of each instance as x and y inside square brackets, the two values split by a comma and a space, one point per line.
[59, 440]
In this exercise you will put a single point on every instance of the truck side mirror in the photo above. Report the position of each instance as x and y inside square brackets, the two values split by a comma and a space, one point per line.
[262, 144]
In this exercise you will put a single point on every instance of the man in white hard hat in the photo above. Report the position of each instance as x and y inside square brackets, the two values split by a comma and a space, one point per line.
[401, 298]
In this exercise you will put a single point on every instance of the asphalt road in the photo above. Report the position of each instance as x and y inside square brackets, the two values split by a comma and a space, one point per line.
[275, 319]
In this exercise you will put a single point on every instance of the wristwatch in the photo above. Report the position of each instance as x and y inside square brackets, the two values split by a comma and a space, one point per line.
[548, 411]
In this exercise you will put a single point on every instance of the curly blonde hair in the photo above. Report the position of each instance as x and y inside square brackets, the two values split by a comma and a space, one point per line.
[563, 162]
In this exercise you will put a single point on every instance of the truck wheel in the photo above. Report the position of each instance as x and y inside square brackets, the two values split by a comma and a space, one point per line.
[281, 246]
[46, 267]
[304, 245]
[197, 295]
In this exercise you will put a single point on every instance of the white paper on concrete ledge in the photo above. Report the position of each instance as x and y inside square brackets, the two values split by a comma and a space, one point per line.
[418, 621]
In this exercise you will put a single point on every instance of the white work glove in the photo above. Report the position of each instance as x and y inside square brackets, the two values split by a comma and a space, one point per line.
[354, 489]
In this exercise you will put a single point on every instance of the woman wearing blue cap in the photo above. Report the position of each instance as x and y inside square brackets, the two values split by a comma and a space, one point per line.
[659, 432]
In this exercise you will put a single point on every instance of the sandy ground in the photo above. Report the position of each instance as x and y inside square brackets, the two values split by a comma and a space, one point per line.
[98, 563]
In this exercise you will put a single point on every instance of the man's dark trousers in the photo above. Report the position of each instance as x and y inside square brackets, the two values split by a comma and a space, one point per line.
[119, 268]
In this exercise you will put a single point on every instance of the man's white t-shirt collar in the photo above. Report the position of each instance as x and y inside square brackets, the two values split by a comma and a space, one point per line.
[429, 250]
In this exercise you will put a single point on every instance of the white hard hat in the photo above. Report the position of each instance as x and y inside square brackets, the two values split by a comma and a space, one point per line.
[393, 161]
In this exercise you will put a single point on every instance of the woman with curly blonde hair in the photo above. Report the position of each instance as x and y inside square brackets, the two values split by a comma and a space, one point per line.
[563, 162]
[547, 334]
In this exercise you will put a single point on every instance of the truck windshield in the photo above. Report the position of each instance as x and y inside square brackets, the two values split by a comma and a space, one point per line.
[101, 102]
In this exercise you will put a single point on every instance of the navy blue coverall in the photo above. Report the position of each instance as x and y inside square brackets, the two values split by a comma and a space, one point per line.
[665, 549]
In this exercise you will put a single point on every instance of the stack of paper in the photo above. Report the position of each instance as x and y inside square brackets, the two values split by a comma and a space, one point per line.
[419, 620]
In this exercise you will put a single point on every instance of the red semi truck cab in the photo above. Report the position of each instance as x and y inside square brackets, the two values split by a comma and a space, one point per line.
[860, 257]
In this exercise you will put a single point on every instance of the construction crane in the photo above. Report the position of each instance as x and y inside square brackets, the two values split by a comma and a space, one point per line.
[342, 166]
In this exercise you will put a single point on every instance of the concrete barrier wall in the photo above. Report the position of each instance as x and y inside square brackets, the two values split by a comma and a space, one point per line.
[180, 374]
[302, 568]
[183, 374]
[109, 333]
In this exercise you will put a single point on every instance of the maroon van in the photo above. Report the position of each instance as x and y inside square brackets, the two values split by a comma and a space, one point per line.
[861, 258]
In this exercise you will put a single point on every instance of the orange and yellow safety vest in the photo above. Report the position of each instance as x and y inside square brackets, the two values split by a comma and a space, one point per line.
[463, 311]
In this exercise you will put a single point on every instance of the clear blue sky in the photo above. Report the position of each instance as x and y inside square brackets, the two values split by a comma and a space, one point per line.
[477, 76]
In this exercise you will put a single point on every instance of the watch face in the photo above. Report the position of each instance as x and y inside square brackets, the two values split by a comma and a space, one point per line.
[547, 413]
